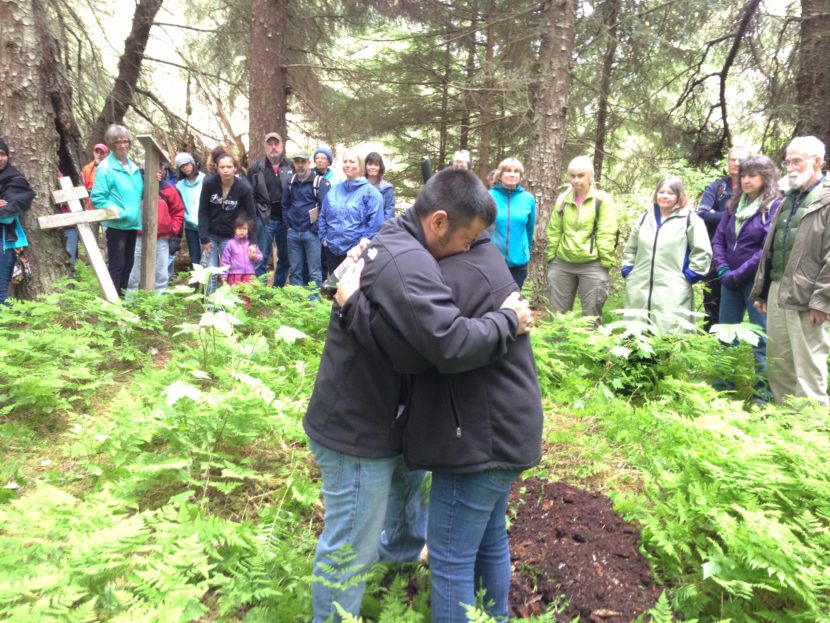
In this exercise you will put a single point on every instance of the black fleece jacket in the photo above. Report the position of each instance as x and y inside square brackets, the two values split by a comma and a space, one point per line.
[217, 213]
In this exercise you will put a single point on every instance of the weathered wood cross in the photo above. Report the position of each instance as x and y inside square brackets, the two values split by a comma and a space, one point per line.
[82, 218]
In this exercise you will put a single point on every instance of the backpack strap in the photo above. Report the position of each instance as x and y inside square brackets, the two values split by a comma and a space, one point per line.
[597, 206]
[315, 186]
[291, 182]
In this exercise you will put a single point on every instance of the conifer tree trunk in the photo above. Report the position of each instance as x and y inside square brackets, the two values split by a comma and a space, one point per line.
[267, 76]
[486, 105]
[549, 114]
[813, 79]
[28, 122]
[129, 66]
[612, 10]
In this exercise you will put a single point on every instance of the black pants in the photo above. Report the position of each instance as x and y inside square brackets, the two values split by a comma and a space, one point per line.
[121, 253]
[332, 260]
[711, 300]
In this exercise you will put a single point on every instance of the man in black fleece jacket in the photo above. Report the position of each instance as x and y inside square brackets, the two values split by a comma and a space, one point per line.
[353, 418]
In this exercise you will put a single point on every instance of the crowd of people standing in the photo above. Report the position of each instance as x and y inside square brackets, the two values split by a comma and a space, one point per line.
[427, 364]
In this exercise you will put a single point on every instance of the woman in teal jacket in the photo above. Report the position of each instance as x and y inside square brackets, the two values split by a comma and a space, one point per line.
[515, 218]
[119, 184]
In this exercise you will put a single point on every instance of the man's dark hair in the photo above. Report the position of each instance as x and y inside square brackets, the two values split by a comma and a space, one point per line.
[460, 194]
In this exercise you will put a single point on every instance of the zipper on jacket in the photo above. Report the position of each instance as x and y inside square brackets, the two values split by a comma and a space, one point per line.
[653, 261]
[455, 419]
[506, 247]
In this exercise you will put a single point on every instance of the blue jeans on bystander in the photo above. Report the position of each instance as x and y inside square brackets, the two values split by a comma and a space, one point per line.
[467, 540]
[519, 274]
[162, 271]
[304, 257]
[194, 247]
[363, 498]
[733, 304]
[278, 234]
[7, 259]
[217, 247]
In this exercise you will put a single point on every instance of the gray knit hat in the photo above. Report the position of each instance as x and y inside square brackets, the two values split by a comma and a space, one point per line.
[184, 158]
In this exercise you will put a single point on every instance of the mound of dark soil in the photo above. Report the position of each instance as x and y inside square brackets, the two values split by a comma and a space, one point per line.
[568, 545]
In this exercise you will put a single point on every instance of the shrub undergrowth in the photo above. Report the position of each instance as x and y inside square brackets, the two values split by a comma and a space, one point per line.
[154, 465]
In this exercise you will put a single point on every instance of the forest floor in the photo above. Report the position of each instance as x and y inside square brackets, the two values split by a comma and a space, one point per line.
[572, 552]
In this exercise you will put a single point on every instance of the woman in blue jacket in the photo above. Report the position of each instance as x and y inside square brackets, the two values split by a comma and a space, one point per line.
[351, 210]
[515, 218]
[119, 184]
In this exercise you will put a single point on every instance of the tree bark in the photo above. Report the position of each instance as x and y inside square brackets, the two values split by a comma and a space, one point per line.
[120, 98]
[610, 25]
[267, 75]
[548, 140]
[470, 70]
[28, 119]
[486, 110]
[813, 80]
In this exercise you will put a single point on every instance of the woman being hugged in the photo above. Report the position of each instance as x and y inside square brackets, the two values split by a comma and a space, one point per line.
[515, 218]
[375, 170]
[119, 184]
[739, 242]
[351, 210]
[667, 251]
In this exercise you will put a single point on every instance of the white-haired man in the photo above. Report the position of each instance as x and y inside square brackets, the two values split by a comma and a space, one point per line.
[461, 160]
[581, 234]
[793, 281]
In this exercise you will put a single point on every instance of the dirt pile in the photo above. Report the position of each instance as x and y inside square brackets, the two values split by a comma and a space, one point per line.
[568, 545]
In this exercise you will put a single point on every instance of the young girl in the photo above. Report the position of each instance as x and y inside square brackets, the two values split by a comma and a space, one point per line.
[240, 255]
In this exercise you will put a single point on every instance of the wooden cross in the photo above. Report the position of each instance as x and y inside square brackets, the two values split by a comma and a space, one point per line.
[81, 219]
[153, 156]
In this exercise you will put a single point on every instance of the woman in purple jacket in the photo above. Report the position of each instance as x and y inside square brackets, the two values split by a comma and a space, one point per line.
[739, 240]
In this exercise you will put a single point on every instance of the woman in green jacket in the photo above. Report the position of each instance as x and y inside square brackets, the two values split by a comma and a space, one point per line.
[667, 251]
[582, 240]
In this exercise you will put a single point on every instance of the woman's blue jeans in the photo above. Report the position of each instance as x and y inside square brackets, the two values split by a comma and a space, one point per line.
[468, 545]
[374, 509]
[733, 304]
[7, 259]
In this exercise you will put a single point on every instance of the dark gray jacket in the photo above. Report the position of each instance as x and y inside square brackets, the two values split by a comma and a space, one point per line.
[358, 399]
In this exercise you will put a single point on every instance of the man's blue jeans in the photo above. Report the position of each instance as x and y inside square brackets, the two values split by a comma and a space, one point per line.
[304, 257]
[71, 245]
[733, 304]
[467, 540]
[363, 498]
[162, 274]
[277, 233]
[7, 260]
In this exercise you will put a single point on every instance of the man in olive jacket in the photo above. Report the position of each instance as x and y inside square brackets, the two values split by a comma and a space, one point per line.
[793, 281]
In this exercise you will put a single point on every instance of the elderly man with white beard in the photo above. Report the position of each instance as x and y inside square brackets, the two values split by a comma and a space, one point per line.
[793, 281]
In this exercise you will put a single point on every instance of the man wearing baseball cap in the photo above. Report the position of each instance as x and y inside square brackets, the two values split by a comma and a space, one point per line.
[301, 201]
[268, 176]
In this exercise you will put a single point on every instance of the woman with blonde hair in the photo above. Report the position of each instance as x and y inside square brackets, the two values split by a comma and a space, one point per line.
[667, 251]
[515, 218]
[352, 209]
